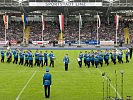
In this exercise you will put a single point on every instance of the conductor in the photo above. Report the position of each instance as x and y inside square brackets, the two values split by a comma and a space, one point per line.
[47, 82]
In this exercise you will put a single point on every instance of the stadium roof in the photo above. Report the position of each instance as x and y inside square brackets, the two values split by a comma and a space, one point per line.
[104, 1]
[121, 1]
[108, 6]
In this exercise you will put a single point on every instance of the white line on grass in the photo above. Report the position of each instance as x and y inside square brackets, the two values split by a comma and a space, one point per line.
[25, 86]
[110, 83]
[23, 70]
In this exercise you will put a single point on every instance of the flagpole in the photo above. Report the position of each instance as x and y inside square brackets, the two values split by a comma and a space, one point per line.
[97, 31]
[5, 34]
[117, 21]
[79, 34]
[62, 29]
[79, 29]
[116, 36]
[61, 38]
[23, 31]
[42, 34]
[42, 26]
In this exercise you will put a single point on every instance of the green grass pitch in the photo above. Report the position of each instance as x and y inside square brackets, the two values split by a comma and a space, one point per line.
[76, 84]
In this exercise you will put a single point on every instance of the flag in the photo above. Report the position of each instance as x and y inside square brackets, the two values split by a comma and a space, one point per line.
[43, 23]
[24, 19]
[117, 21]
[5, 19]
[99, 21]
[80, 21]
[61, 21]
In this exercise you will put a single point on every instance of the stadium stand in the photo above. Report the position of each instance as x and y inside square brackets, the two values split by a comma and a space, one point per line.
[107, 9]
[88, 32]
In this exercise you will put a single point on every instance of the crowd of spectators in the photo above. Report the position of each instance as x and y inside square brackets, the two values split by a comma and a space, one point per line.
[107, 31]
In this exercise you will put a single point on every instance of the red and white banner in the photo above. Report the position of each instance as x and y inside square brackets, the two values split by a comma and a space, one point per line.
[5, 19]
[60, 42]
[61, 21]
[3, 42]
[107, 43]
[43, 22]
[13, 42]
[40, 42]
[117, 21]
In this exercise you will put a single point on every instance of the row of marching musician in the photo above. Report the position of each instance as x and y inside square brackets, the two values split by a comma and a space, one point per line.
[99, 56]
[93, 58]
[26, 57]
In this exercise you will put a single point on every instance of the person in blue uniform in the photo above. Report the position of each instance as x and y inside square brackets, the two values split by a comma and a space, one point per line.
[51, 57]
[96, 59]
[15, 54]
[9, 56]
[127, 54]
[85, 56]
[36, 58]
[88, 58]
[101, 58]
[120, 57]
[26, 58]
[66, 62]
[111, 53]
[45, 58]
[40, 59]
[21, 56]
[2, 56]
[80, 59]
[114, 55]
[30, 58]
[47, 81]
[92, 57]
[106, 57]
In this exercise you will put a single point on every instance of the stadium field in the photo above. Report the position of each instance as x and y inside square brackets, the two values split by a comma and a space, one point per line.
[24, 83]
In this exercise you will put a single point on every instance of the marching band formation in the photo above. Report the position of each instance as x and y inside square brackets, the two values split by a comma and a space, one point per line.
[98, 57]
[26, 57]
[41, 59]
